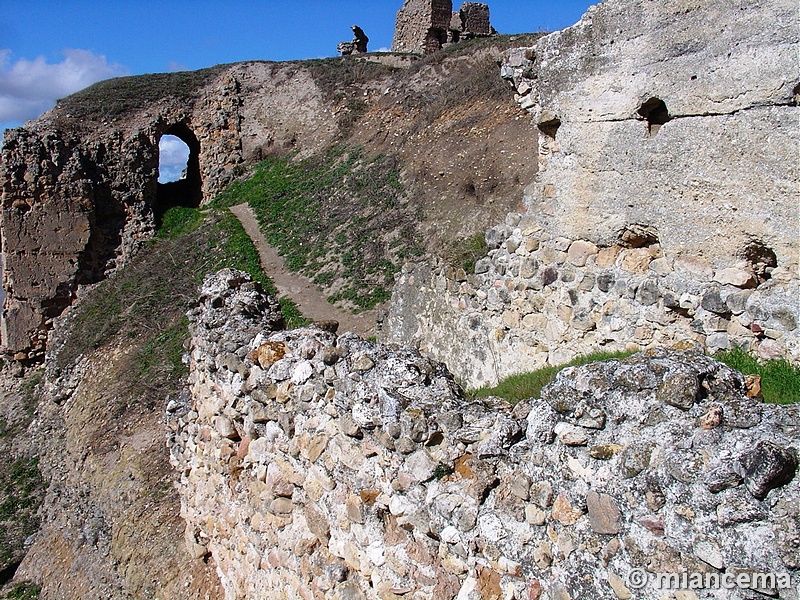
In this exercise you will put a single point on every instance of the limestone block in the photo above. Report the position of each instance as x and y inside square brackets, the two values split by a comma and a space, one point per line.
[738, 277]
[580, 251]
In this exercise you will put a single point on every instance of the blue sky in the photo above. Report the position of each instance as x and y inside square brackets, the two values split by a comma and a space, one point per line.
[49, 49]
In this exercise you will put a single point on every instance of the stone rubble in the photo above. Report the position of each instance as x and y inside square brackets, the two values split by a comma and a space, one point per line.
[321, 466]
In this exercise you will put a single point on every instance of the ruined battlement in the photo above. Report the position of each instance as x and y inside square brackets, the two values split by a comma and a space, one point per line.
[425, 26]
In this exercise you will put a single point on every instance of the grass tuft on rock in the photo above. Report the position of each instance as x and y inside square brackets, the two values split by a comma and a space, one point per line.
[529, 385]
[464, 253]
[23, 591]
[780, 379]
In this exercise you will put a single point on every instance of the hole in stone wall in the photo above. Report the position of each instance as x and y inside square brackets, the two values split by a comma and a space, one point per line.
[187, 189]
[761, 258]
[550, 127]
[637, 235]
[796, 93]
[436, 439]
[655, 112]
[173, 159]
[435, 39]
[8, 573]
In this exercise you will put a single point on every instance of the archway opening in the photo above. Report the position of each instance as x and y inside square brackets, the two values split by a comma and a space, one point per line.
[173, 159]
[179, 181]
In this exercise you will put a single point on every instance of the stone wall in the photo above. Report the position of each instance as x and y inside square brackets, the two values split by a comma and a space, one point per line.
[475, 18]
[538, 300]
[422, 26]
[665, 207]
[425, 26]
[80, 193]
[322, 466]
[714, 171]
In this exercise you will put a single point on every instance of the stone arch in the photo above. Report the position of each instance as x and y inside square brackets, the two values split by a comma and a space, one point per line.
[187, 191]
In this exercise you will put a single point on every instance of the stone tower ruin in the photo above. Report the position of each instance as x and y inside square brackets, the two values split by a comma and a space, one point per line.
[424, 26]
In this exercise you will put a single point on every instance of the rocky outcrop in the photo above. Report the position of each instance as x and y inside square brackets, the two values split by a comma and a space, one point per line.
[317, 465]
[80, 189]
[665, 206]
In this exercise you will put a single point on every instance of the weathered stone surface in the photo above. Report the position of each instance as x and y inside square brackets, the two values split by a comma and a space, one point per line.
[580, 251]
[475, 19]
[604, 515]
[738, 277]
[611, 177]
[422, 26]
[467, 495]
[768, 466]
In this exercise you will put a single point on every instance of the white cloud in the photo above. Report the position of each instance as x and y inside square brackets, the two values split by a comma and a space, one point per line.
[174, 67]
[30, 87]
[173, 155]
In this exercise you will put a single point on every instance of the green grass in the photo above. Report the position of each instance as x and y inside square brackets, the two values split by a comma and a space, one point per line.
[529, 385]
[24, 591]
[244, 254]
[164, 353]
[21, 491]
[463, 254]
[341, 218]
[146, 301]
[178, 221]
[780, 379]
[20, 486]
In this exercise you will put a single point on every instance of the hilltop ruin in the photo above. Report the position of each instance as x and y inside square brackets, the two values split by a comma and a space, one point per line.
[425, 26]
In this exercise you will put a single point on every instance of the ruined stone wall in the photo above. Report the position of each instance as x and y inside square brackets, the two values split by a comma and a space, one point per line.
[538, 300]
[719, 174]
[647, 224]
[322, 466]
[475, 18]
[79, 193]
[422, 25]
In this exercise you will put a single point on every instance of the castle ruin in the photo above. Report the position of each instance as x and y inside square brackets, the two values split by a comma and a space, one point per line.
[425, 26]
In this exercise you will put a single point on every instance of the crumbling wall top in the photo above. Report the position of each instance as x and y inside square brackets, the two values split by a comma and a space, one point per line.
[425, 26]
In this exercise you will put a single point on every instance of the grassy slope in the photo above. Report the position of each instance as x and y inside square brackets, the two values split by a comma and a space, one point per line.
[145, 303]
[342, 219]
[21, 485]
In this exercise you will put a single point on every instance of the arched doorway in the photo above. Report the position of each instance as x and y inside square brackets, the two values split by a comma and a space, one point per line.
[184, 187]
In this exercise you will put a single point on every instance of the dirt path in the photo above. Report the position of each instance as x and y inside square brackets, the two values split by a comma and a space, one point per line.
[298, 287]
